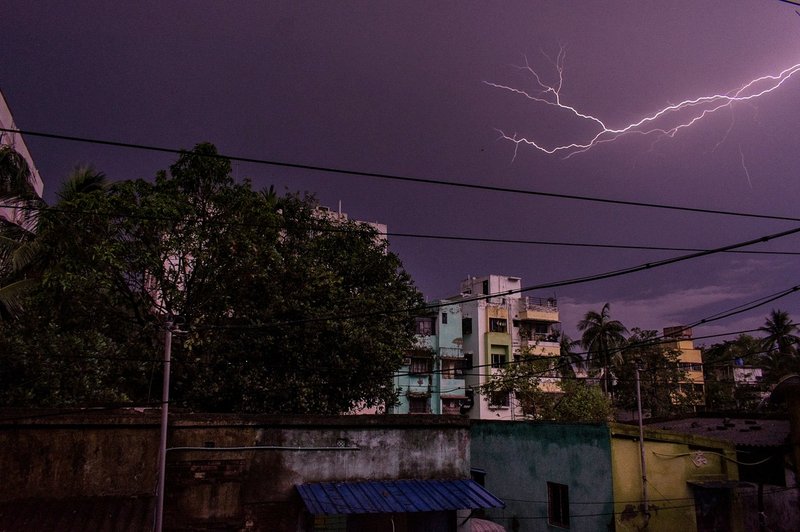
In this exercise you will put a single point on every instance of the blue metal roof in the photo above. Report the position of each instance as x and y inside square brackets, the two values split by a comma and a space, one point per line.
[395, 496]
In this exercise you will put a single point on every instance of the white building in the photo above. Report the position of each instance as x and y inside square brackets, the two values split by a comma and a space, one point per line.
[16, 141]
[499, 329]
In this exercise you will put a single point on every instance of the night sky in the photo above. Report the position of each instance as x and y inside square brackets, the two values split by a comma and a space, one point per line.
[399, 88]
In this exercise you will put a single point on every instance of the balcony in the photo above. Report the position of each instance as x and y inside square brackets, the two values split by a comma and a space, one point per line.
[451, 352]
[536, 308]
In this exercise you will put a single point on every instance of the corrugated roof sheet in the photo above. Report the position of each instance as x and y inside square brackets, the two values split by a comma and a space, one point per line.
[395, 496]
[78, 514]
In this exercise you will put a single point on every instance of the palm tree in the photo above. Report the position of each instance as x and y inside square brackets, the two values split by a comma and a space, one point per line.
[15, 175]
[568, 360]
[780, 344]
[22, 255]
[602, 337]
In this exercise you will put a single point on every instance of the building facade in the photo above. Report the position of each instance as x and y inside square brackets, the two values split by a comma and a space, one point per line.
[17, 143]
[468, 339]
[431, 380]
[588, 477]
[690, 360]
[499, 327]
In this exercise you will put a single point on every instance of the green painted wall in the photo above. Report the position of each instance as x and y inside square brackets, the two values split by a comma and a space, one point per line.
[521, 457]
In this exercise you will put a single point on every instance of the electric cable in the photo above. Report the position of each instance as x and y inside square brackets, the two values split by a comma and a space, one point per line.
[395, 177]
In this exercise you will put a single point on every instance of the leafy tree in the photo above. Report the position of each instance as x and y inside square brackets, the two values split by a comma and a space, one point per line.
[578, 402]
[660, 376]
[545, 393]
[15, 175]
[602, 337]
[720, 362]
[281, 305]
[16, 189]
[780, 345]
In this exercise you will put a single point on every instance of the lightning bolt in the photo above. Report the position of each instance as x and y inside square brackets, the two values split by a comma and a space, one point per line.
[667, 121]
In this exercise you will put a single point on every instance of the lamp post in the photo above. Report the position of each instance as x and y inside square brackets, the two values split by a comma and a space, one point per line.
[162, 449]
[641, 446]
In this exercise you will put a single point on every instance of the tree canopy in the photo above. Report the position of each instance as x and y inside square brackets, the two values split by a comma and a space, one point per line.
[602, 337]
[281, 305]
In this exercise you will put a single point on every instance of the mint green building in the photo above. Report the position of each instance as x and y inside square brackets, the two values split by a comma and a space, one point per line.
[431, 381]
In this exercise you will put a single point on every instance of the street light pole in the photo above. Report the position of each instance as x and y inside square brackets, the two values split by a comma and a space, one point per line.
[162, 449]
[641, 447]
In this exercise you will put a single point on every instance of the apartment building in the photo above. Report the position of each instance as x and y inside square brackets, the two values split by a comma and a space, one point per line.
[500, 325]
[431, 380]
[466, 340]
[690, 360]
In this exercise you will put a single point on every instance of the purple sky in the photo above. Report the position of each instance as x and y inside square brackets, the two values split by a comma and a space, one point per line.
[398, 87]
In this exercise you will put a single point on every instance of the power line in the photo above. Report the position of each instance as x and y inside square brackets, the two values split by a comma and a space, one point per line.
[661, 339]
[390, 234]
[555, 284]
[402, 178]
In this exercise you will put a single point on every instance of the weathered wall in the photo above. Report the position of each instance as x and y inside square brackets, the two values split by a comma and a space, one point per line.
[672, 461]
[48, 455]
[223, 480]
[521, 457]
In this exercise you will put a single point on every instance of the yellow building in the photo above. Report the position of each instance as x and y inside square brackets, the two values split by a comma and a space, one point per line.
[691, 482]
[690, 360]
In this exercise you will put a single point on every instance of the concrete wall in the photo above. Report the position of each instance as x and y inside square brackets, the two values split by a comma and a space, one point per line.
[105, 454]
[521, 457]
[673, 461]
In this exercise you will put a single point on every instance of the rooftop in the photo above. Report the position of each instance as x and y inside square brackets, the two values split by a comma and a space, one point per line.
[752, 432]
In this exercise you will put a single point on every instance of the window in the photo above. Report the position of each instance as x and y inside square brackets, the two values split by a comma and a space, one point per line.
[444, 317]
[420, 365]
[557, 505]
[499, 360]
[498, 325]
[499, 355]
[466, 326]
[424, 326]
[486, 288]
[499, 400]
[478, 475]
[418, 405]
[451, 406]
[452, 368]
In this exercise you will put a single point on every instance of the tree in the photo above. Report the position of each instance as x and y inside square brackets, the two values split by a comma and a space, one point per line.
[544, 392]
[15, 175]
[602, 337]
[660, 376]
[16, 189]
[567, 359]
[780, 345]
[578, 402]
[285, 310]
[720, 363]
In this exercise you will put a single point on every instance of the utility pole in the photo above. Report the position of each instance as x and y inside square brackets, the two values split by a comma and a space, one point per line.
[645, 505]
[162, 449]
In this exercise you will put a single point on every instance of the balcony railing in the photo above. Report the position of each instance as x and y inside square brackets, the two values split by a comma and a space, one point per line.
[451, 352]
[541, 304]
[538, 337]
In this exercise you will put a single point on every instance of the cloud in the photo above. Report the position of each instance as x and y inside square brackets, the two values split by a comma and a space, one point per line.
[677, 307]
